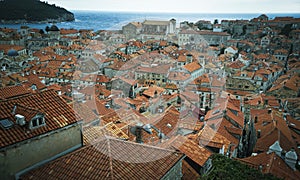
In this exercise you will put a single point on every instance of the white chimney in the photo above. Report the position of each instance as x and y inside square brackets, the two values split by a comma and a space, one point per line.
[275, 148]
[20, 119]
[291, 159]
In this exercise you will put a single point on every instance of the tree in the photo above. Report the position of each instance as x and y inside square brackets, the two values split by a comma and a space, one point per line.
[226, 168]
[47, 29]
[216, 21]
[286, 30]
[41, 31]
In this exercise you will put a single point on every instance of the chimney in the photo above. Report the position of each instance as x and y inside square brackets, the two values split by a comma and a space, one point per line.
[291, 158]
[258, 133]
[266, 101]
[269, 111]
[20, 119]
[138, 133]
[275, 148]
[14, 109]
[189, 58]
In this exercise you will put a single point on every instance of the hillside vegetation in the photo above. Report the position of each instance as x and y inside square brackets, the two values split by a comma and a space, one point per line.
[32, 11]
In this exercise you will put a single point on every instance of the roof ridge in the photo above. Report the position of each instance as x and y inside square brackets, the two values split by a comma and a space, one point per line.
[109, 156]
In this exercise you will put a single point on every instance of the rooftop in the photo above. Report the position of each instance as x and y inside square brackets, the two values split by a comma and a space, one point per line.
[58, 114]
[110, 158]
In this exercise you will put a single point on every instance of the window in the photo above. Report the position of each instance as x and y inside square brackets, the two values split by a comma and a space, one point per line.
[34, 122]
[38, 122]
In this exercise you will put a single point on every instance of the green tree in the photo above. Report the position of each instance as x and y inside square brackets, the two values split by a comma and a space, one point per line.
[216, 21]
[226, 168]
[47, 29]
[286, 30]
[41, 31]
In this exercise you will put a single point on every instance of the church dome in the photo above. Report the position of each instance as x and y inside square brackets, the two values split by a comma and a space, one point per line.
[53, 28]
[12, 52]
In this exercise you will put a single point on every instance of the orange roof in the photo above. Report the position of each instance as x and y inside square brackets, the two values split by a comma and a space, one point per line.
[110, 158]
[85, 112]
[236, 64]
[273, 164]
[34, 80]
[171, 86]
[152, 90]
[190, 148]
[181, 58]
[208, 136]
[6, 47]
[68, 31]
[168, 123]
[58, 115]
[92, 133]
[12, 91]
[191, 67]
[273, 127]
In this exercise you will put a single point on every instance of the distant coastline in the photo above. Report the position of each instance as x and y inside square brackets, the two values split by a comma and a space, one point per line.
[32, 11]
[114, 20]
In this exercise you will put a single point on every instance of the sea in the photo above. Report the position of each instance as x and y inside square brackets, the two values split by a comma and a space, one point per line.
[99, 20]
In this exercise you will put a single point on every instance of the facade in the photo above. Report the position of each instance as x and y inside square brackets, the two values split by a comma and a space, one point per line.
[157, 29]
[208, 37]
[157, 73]
[265, 41]
[131, 30]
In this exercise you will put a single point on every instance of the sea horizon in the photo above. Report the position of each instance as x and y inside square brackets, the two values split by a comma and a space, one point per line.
[114, 20]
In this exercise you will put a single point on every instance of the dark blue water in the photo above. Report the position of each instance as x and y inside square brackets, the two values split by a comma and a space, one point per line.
[97, 20]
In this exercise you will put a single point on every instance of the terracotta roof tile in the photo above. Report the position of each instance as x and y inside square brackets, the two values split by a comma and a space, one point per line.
[169, 122]
[12, 91]
[208, 136]
[58, 115]
[110, 159]
[273, 128]
[271, 163]
[92, 133]
[191, 67]
[191, 149]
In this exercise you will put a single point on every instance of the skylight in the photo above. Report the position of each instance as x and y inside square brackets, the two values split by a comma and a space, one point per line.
[6, 123]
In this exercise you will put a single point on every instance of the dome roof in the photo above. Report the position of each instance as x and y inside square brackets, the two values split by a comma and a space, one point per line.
[53, 28]
[12, 52]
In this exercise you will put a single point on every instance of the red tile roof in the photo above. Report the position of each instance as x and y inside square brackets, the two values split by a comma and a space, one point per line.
[273, 128]
[12, 91]
[6, 48]
[57, 115]
[34, 80]
[190, 148]
[169, 122]
[110, 158]
[85, 112]
[191, 67]
[92, 133]
[273, 164]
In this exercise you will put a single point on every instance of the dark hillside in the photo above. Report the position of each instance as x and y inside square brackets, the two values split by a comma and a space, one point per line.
[32, 11]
